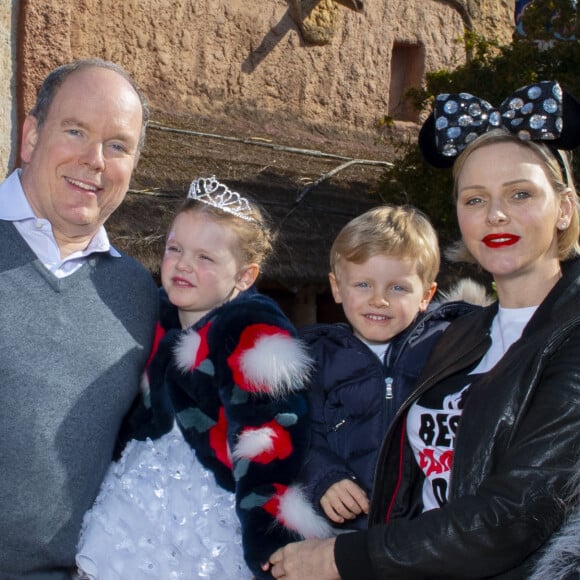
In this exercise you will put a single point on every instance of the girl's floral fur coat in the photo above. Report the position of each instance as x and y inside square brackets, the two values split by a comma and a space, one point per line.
[235, 384]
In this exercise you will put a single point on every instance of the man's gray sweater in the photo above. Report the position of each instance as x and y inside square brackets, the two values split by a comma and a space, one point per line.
[72, 351]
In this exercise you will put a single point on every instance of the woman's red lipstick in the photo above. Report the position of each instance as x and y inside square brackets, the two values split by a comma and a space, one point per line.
[500, 240]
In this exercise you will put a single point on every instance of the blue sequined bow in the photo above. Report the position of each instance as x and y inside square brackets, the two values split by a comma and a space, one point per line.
[533, 113]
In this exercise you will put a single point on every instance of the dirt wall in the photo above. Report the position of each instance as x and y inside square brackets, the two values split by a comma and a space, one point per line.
[8, 19]
[248, 58]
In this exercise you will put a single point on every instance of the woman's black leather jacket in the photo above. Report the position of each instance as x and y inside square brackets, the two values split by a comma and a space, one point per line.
[516, 448]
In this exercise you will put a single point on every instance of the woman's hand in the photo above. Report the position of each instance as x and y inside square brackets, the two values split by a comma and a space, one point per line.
[307, 560]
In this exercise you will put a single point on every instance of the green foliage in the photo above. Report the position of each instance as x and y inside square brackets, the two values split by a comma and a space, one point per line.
[492, 72]
[413, 182]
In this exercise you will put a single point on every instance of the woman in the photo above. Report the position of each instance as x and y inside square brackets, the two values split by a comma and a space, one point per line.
[472, 474]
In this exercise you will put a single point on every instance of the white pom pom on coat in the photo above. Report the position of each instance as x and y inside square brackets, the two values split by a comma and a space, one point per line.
[297, 513]
[186, 350]
[252, 443]
[277, 363]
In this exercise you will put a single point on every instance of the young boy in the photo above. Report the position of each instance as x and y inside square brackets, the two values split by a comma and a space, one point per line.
[383, 269]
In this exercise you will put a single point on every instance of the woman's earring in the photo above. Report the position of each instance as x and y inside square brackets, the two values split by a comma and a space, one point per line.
[563, 225]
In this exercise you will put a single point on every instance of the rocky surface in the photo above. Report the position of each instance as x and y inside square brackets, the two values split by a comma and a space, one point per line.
[240, 58]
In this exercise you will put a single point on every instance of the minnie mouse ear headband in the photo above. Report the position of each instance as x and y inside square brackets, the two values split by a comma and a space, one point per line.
[538, 112]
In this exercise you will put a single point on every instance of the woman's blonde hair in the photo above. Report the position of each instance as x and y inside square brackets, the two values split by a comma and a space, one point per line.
[397, 231]
[558, 169]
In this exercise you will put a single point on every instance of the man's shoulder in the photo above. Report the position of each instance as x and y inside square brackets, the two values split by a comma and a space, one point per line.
[126, 274]
[126, 261]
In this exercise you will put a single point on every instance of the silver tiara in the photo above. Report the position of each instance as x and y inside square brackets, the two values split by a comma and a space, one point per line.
[209, 190]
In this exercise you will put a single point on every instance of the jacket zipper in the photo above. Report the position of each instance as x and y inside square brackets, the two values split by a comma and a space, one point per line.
[389, 388]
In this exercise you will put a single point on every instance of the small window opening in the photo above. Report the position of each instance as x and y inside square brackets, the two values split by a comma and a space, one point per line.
[407, 68]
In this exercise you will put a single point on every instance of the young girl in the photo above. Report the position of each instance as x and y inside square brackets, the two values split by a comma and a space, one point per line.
[226, 380]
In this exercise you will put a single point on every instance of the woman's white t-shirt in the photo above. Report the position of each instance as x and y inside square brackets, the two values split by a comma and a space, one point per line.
[433, 420]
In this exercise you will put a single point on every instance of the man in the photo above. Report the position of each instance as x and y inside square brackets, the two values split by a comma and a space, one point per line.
[76, 316]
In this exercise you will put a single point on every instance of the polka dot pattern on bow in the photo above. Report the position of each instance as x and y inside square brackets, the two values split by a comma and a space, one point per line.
[533, 112]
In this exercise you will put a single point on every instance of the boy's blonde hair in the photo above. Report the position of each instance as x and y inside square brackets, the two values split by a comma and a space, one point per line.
[402, 232]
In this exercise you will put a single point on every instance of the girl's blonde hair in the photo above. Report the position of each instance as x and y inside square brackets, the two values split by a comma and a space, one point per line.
[558, 169]
[396, 231]
[255, 236]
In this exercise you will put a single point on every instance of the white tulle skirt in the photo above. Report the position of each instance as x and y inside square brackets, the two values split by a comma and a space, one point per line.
[161, 515]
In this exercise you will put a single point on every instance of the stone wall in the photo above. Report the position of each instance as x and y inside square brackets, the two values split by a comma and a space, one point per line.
[8, 131]
[493, 18]
[226, 59]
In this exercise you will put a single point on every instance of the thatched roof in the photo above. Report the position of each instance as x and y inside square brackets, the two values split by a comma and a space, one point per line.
[274, 169]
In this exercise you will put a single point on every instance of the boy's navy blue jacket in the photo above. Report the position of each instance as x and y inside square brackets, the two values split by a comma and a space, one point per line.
[354, 397]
